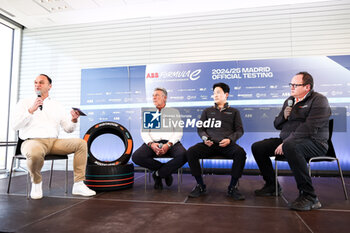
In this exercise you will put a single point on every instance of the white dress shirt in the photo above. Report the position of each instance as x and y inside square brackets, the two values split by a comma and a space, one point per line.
[43, 123]
[171, 133]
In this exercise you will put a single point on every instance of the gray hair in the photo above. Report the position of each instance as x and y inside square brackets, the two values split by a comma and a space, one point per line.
[162, 90]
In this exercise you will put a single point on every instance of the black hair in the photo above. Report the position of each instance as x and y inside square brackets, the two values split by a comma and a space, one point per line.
[223, 86]
[307, 79]
[48, 78]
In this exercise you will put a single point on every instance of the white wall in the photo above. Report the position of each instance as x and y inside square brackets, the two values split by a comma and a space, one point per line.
[258, 33]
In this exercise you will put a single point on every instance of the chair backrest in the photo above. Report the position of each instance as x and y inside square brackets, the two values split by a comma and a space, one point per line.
[18, 146]
[331, 151]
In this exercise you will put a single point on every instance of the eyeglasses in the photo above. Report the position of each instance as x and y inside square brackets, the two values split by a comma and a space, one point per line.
[294, 85]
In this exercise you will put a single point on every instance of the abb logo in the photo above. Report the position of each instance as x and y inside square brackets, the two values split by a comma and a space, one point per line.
[152, 75]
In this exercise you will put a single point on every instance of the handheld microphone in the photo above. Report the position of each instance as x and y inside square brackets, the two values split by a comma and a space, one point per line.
[290, 104]
[39, 95]
[205, 138]
[160, 145]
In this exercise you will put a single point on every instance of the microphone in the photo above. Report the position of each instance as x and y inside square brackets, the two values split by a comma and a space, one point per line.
[160, 145]
[39, 95]
[205, 138]
[290, 104]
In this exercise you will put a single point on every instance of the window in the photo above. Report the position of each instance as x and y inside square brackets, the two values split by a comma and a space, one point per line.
[9, 58]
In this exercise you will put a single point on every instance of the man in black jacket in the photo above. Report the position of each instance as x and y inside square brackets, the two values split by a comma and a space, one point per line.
[303, 122]
[219, 141]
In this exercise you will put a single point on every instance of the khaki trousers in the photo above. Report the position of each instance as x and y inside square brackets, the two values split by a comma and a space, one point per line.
[36, 149]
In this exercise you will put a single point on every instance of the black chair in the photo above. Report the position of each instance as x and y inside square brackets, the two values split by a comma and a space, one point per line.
[51, 157]
[329, 157]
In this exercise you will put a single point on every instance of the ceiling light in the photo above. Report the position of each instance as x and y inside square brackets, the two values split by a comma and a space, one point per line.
[54, 6]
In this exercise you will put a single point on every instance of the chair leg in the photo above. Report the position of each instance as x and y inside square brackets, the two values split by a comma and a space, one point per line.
[178, 179]
[342, 180]
[149, 175]
[9, 184]
[28, 183]
[146, 179]
[276, 179]
[66, 181]
[202, 166]
[51, 174]
[309, 167]
[181, 174]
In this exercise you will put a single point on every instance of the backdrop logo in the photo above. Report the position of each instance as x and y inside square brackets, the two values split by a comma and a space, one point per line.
[180, 75]
[195, 75]
[152, 75]
[151, 119]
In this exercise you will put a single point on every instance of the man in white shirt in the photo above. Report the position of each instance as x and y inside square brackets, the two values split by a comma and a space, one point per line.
[38, 120]
[161, 143]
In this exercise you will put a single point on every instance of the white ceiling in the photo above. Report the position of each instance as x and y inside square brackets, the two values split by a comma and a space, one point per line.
[46, 13]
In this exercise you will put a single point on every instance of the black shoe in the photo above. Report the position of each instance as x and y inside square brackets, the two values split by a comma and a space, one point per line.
[169, 180]
[157, 181]
[268, 190]
[305, 202]
[199, 190]
[233, 192]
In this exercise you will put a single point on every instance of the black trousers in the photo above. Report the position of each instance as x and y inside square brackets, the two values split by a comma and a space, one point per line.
[232, 151]
[145, 157]
[296, 152]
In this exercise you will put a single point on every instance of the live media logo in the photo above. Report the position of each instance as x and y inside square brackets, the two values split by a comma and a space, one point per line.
[151, 120]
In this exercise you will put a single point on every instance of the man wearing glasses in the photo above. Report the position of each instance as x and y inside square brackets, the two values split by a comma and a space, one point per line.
[303, 122]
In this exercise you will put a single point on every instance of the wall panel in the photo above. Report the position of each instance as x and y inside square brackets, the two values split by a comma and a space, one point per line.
[257, 33]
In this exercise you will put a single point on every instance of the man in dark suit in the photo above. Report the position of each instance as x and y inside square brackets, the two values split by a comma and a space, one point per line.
[219, 141]
[303, 122]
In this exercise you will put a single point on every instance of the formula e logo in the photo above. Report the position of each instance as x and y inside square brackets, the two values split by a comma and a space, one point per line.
[195, 75]
[151, 119]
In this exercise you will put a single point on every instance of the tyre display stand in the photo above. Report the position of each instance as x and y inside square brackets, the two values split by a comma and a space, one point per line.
[109, 178]
[109, 175]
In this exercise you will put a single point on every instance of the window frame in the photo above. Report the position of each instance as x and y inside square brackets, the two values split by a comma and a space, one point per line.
[13, 82]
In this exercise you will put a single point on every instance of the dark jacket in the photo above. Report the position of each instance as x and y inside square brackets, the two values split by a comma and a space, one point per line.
[231, 124]
[309, 118]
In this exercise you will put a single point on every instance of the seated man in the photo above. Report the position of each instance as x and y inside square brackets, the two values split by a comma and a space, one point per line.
[38, 120]
[219, 141]
[303, 122]
[161, 143]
